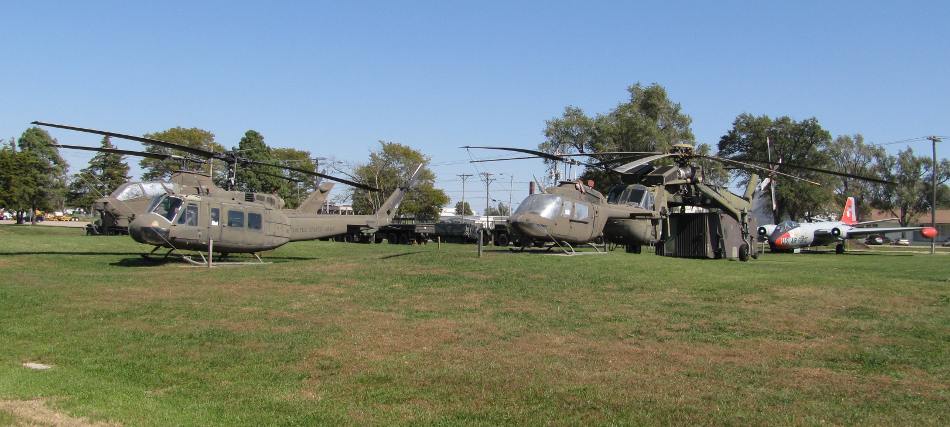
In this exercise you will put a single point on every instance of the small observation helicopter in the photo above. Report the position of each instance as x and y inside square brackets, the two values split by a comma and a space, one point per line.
[569, 214]
[195, 214]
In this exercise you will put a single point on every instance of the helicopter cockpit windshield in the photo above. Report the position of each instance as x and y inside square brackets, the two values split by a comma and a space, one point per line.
[166, 206]
[543, 205]
[636, 195]
[134, 190]
[785, 226]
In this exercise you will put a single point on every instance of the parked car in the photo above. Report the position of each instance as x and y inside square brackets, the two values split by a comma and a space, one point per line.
[902, 242]
[946, 242]
[874, 240]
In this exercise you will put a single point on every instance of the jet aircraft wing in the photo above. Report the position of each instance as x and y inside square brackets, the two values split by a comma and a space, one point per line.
[880, 230]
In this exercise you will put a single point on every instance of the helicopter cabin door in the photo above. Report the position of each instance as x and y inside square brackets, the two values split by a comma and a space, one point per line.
[186, 226]
[579, 216]
[232, 225]
[214, 223]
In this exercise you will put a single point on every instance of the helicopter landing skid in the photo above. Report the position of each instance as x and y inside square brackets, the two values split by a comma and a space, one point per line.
[150, 256]
[204, 261]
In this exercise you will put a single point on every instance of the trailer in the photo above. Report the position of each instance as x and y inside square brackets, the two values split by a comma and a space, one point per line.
[406, 231]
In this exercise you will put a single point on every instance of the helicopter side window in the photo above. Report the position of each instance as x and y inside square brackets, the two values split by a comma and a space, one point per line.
[167, 207]
[215, 216]
[189, 216]
[581, 212]
[235, 219]
[568, 208]
[254, 221]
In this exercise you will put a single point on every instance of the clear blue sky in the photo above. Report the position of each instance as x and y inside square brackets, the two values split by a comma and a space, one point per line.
[335, 77]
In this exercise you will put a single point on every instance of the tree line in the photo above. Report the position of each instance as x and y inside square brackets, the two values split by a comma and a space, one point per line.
[649, 121]
[34, 176]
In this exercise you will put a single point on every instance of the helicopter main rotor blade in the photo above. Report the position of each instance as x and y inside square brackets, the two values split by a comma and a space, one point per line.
[641, 161]
[304, 171]
[556, 157]
[499, 160]
[190, 150]
[827, 171]
[636, 156]
[121, 152]
[751, 166]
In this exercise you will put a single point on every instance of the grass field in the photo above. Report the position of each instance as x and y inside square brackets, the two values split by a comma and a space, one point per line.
[382, 334]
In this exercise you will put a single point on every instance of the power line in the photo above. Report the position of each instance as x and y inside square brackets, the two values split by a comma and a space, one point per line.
[903, 141]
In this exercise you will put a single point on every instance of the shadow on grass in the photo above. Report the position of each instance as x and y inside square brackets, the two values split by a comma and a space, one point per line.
[63, 253]
[853, 253]
[402, 254]
[158, 260]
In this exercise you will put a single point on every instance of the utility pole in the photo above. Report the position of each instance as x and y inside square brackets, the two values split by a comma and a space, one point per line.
[488, 180]
[464, 176]
[933, 197]
[510, 188]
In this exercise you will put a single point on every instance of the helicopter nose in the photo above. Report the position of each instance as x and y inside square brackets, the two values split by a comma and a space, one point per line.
[149, 229]
[532, 227]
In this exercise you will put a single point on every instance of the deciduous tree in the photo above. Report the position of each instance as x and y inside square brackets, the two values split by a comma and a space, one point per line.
[41, 181]
[850, 154]
[155, 169]
[293, 192]
[390, 167]
[911, 194]
[647, 121]
[794, 142]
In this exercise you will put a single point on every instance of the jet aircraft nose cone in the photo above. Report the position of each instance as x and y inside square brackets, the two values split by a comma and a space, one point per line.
[150, 229]
[778, 239]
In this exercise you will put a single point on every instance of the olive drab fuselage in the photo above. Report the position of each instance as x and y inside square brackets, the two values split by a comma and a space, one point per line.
[570, 212]
[204, 216]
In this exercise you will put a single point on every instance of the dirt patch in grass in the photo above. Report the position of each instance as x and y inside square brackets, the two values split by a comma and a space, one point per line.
[865, 387]
[36, 413]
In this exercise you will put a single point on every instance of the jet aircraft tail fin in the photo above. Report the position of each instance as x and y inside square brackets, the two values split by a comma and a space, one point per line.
[848, 216]
[316, 199]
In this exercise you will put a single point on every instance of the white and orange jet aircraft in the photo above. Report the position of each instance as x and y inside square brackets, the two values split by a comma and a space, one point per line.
[791, 235]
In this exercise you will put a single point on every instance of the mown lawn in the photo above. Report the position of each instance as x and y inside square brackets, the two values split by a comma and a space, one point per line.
[336, 333]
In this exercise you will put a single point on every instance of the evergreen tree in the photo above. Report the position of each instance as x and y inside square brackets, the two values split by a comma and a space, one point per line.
[459, 211]
[249, 178]
[105, 173]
